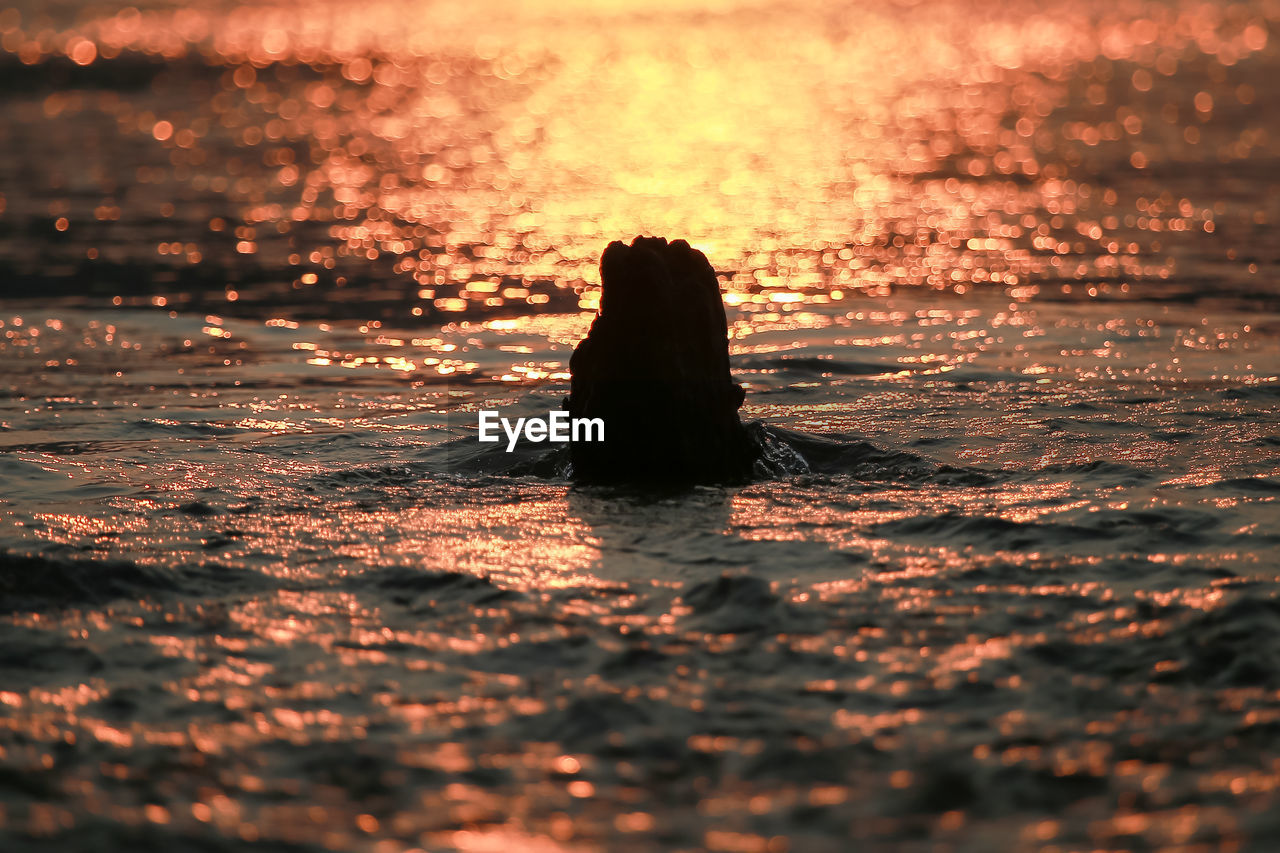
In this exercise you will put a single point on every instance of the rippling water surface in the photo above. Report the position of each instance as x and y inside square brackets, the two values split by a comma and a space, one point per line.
[1005, 275]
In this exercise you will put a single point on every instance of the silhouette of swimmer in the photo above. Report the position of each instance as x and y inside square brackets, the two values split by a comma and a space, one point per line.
[655, 368]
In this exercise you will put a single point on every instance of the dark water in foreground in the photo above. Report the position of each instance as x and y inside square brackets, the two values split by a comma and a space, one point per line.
[1015, 304]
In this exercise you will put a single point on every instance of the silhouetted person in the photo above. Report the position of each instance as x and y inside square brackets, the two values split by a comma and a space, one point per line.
[655, 368]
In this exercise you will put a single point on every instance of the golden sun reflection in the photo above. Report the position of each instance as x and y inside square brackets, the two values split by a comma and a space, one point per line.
[485, 166]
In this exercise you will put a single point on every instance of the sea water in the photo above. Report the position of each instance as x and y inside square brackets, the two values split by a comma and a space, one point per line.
[1001, 286]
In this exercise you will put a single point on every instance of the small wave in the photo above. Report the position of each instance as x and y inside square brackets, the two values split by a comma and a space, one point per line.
[422, 590]
[40, 651]
[1233, 645]
[1142, 531]
[73, 448]
[1262, 393]
[374, 477]
[962, 531]
[837, 453]
[1260, 485]
[189, 429]
[812, 366]
[1154, 529]
[1099, 471]
[850, 455]
[37, 581]
[738, 604]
